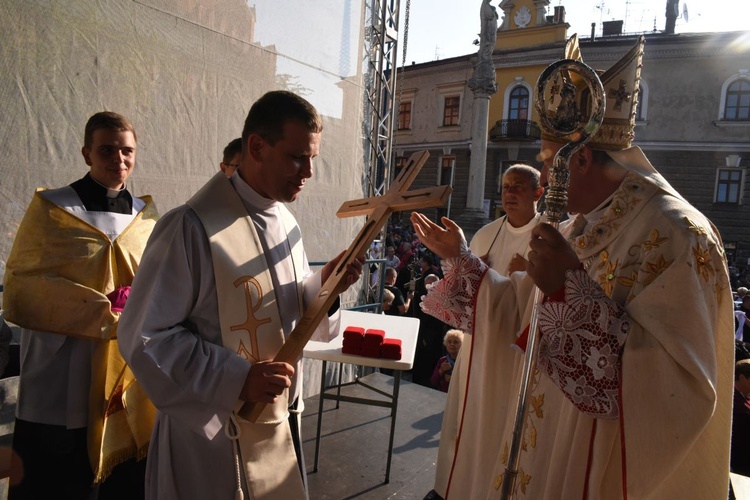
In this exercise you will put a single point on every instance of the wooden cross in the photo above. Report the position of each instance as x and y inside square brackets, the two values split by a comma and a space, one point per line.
[377, 209]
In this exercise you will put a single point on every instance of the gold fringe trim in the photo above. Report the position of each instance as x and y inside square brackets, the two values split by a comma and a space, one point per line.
[112, 461]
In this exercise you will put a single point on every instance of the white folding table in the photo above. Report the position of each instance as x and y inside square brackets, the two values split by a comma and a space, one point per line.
[396, 327]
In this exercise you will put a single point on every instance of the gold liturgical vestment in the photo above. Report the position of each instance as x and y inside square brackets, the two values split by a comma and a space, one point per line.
[57, 277]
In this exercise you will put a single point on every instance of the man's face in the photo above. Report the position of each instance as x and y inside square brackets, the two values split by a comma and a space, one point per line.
[519, 197]
[229, 168]
[111, 157]
[390, 277]
[285, 166]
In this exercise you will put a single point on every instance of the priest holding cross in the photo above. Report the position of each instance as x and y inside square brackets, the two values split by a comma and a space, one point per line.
[223, 305]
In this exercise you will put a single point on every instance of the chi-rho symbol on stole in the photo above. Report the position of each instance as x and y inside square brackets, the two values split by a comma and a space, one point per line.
[253, 301]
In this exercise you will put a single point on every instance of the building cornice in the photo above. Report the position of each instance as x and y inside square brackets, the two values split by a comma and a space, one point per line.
[736, 147]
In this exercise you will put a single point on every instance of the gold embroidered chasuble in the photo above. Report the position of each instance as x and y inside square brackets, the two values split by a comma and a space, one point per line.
[632, 397]
[59, 272]
[251, 328]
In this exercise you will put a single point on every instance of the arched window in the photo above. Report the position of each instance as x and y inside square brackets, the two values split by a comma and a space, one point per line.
[737, 101]
[641, 110]
[518, 103]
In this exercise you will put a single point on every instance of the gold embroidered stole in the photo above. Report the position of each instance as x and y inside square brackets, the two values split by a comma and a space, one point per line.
[250, 327]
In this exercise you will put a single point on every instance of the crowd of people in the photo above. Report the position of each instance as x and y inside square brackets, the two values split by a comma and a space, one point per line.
[409, 269]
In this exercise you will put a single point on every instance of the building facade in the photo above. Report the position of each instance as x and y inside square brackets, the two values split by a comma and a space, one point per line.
[692, 121]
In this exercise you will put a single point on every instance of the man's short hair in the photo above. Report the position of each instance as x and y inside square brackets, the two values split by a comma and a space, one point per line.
[269, 114]
[742, 367]
[233, 148]
[530, 172]
[106, 120]
[391, 271]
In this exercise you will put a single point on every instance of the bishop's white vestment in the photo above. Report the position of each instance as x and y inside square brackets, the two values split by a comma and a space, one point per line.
[632, 396]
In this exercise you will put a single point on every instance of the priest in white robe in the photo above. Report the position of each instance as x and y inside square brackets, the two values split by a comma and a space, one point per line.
[223, 280]
[632, 396]
[502, 244]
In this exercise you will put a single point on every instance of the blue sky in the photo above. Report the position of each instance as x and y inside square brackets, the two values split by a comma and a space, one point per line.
[439, 29]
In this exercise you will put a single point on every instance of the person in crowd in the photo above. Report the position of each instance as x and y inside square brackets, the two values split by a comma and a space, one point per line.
[406, 257]
[400, 305]
[740, 457]
[391, 259]
[431, 333]
[614, 345]
[388, 299]
[224, 279]
[231, 157]
[67, 279]
[441, 375]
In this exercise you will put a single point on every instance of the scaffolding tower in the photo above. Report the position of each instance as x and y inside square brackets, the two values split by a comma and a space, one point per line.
[381, 43]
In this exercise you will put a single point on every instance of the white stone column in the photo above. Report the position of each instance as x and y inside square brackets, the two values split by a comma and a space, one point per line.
[478, 162]
[482, 83]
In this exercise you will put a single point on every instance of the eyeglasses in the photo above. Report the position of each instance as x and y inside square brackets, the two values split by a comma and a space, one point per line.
[233, 165]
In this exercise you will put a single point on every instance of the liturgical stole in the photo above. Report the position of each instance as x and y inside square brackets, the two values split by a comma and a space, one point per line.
[251, 327]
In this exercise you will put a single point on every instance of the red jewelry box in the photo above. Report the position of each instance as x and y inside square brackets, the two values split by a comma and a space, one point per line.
[391, 349]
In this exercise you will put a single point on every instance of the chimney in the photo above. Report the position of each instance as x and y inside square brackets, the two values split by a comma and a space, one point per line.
[673, 11]
[593, 31]
[559, 16]
[610, 28]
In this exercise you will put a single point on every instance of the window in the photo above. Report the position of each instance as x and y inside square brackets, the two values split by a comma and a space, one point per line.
[729, 183]
[517, 100]
[641, 109]
[734, 107]
[737, 102]
[448, 116]
[404, 115]
[518, 104]
[451, 109]
[445, 173]
[445, 178]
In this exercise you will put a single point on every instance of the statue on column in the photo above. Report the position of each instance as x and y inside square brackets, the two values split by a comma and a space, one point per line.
[483, 78]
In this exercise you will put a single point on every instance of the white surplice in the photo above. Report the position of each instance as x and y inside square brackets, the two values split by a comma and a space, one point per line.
[633, 393]
[170, 334]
